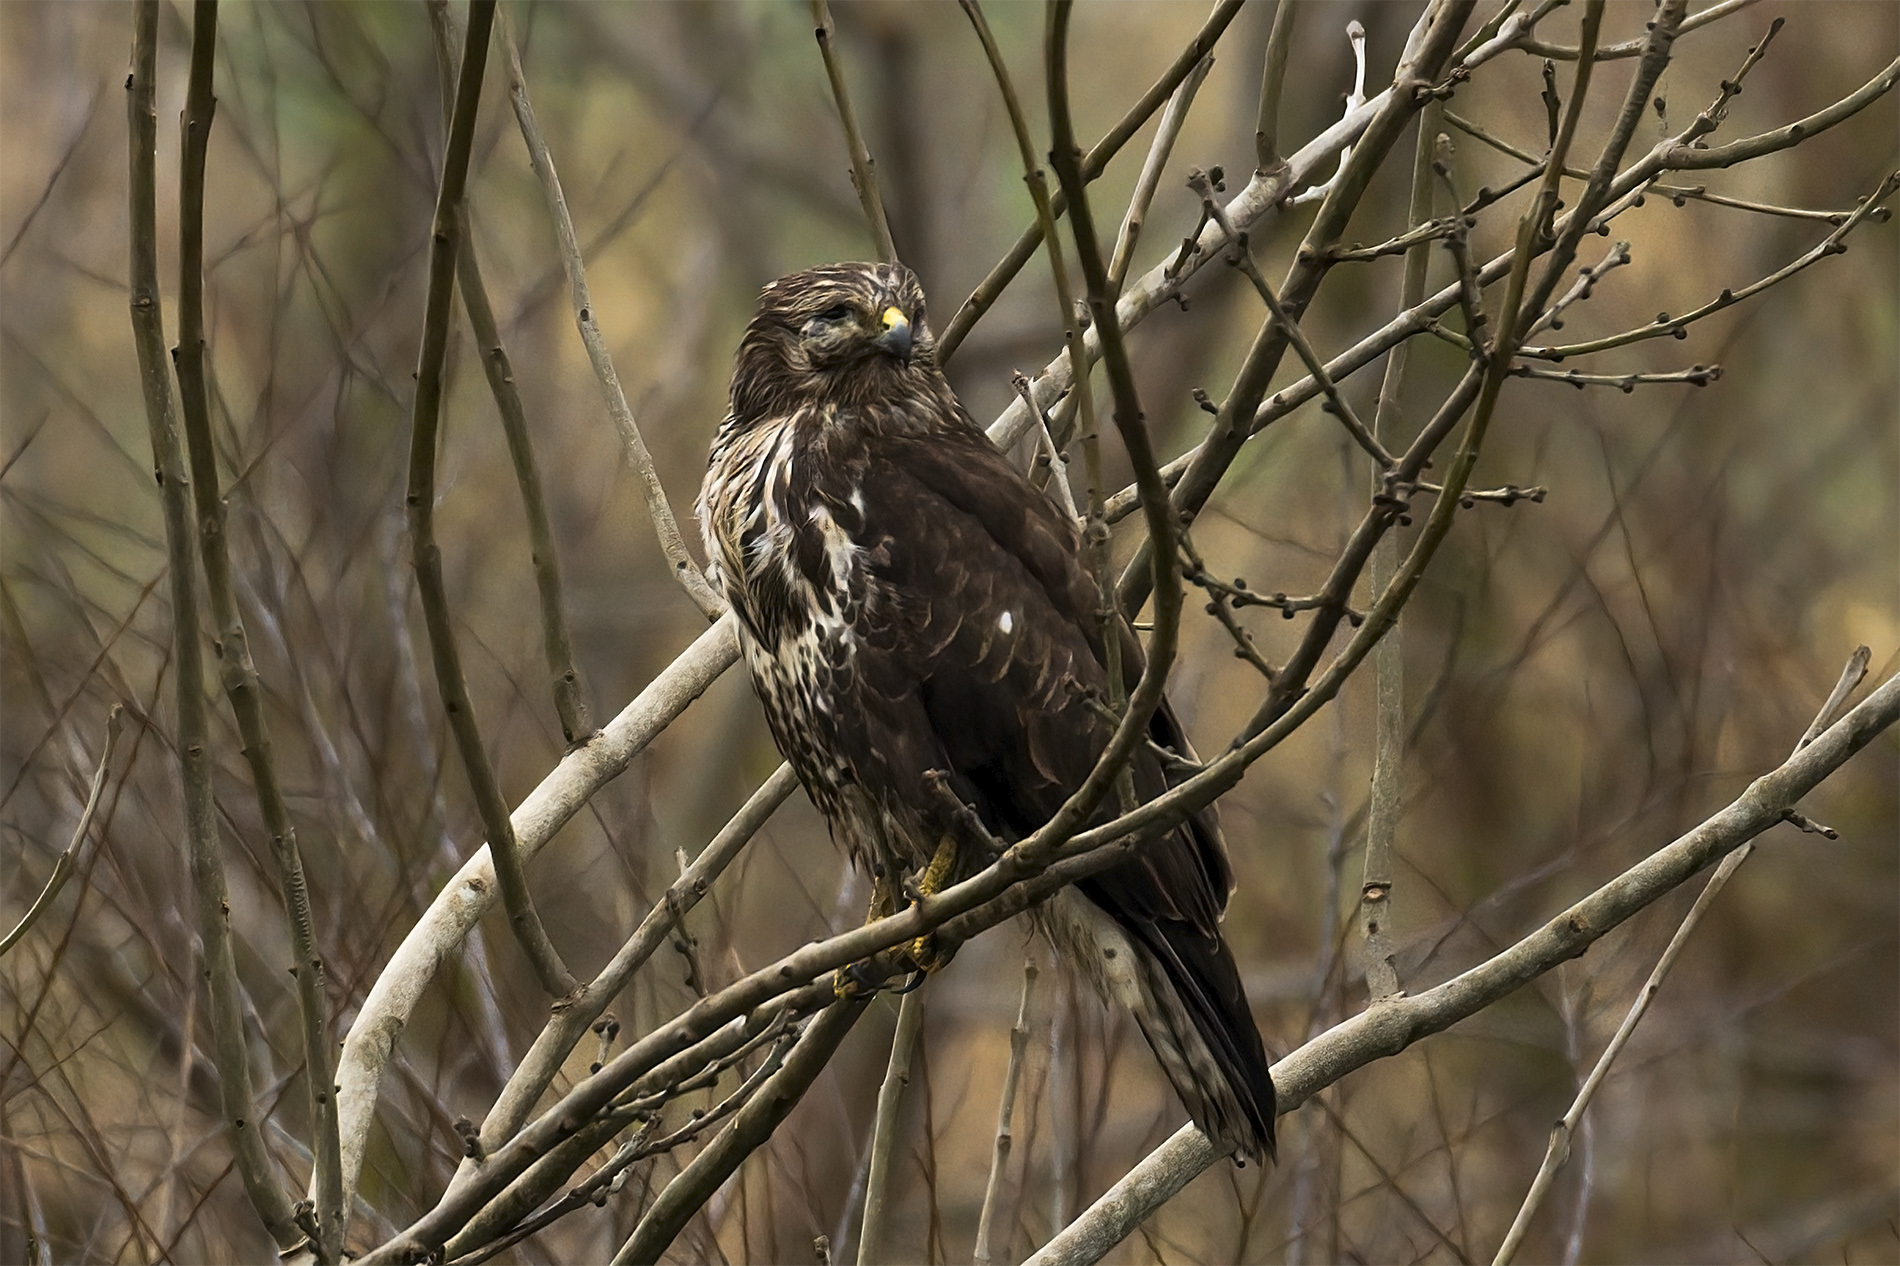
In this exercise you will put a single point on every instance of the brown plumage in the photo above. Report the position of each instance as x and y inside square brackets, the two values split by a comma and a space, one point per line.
[909, 603]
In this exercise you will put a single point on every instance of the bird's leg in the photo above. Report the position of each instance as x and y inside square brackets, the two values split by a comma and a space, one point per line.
[923, 950]
[846, 981]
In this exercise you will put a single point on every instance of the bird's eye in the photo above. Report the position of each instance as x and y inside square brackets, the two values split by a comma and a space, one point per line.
[837, 312]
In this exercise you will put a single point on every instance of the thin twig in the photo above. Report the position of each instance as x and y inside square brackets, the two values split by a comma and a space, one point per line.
[570, 697]
[1356, 36]
[1679, 194]
[565, 1028]
[1266, 130]
[1552, 317]
[1223, 599]
[427, 555]
[1430, 231]
[1377, 879]
[1458, 246]
[863, 167]
[1477, 131]
[1695, 375]
[609, 1178]
[1684, 156]
[1005, 1112]
[1675, 327]
[1632, 48]
[69, 858]
[984, 297]
[1558, 1150]
[237, 1098]
[1166, 133]
[682, 1197]
[1242, 259]
[1051, 456]
[237, 671]
[697, 1069]
[890, 1101]
[659, 509]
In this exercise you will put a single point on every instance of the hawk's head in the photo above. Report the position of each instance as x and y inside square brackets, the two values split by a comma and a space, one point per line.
[850, 334]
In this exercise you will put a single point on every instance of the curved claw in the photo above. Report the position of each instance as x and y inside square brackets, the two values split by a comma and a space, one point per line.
[916, 979]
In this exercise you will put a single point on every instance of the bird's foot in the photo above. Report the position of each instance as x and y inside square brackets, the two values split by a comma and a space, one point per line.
[851, 982]
[925, 952]
[929, 955]
[931, 879]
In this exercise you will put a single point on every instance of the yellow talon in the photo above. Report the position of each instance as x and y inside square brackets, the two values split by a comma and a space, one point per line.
[923, 949]
[931, 881]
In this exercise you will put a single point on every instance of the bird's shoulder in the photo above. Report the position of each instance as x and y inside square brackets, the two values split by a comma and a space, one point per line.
[930, 506]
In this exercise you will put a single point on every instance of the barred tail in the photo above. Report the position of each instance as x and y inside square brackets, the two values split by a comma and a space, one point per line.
[1184, 990]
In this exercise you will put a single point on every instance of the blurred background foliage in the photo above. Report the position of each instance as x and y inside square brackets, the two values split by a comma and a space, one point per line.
[1587, 677]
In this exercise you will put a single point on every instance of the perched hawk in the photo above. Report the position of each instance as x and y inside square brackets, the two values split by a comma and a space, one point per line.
[909, 603]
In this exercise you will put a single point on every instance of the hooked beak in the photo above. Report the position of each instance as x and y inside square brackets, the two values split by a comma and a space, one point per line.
[896, 337]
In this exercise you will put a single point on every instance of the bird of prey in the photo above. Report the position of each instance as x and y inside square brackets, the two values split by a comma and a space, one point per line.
[913, 611]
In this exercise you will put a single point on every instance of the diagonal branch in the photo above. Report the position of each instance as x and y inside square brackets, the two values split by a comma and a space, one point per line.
[570, 698]
[987, 291]
[565, 1028]
[471, 892]
[1559, 1149]
[761, 1115]
[863, 166]
[659, 509]
[69, 858]
[1386, 1030]
[426, 417]
[1166, 133]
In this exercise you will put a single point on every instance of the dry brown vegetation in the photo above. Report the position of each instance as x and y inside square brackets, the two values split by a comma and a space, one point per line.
[1586, 676]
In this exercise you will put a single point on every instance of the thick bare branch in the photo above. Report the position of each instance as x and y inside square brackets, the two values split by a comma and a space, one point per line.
[1560, 1134]
[472, 891]
[1385, 1030]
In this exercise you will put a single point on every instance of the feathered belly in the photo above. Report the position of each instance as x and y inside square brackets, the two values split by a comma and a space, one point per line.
[804, 684]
